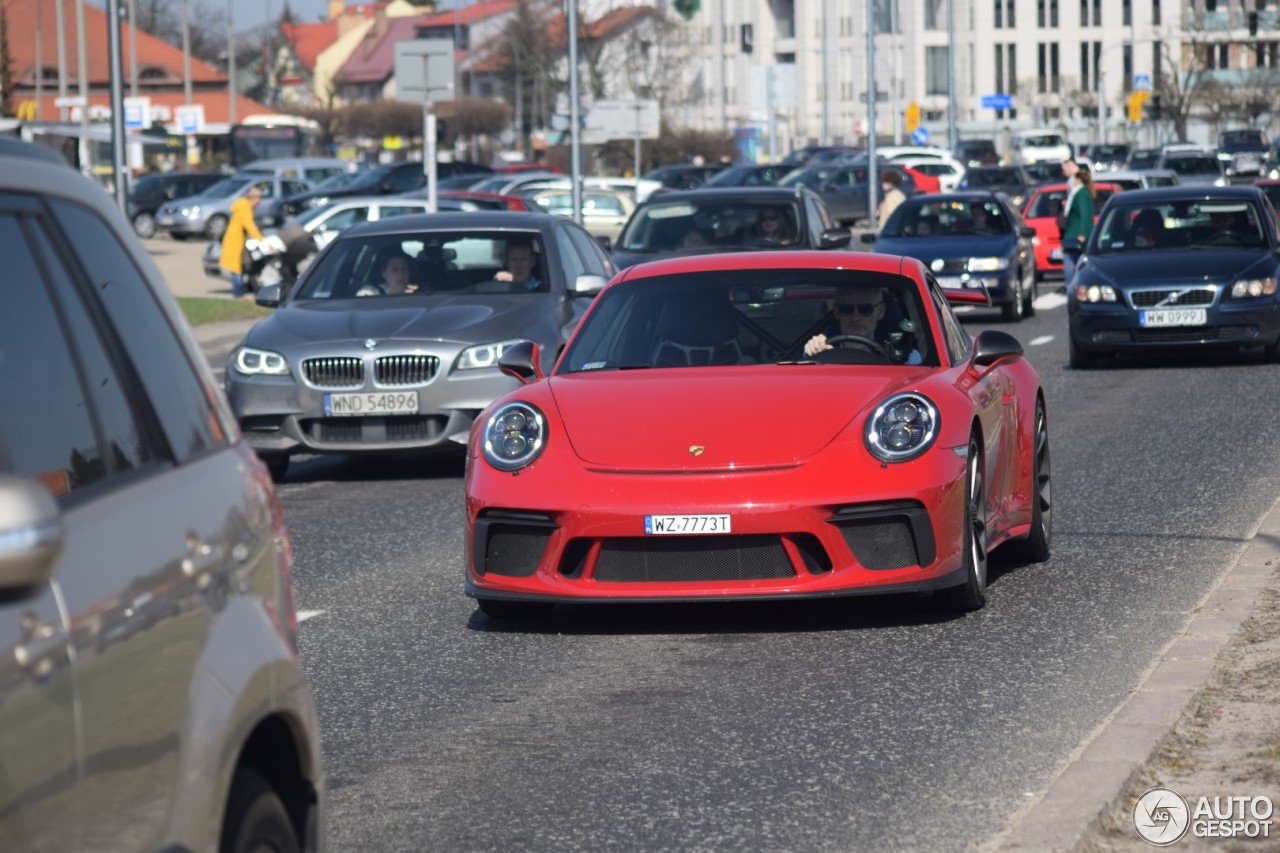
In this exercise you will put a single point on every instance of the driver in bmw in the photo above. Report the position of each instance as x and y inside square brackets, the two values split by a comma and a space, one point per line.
[858, 309]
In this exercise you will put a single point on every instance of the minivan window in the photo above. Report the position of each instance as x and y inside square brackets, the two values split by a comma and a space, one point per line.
[182, 404]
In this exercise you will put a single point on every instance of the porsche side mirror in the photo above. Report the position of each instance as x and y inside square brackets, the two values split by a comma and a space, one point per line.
[269, 296]
[31, 534]
[869, 237]
[994, 345]
[834, 238]
[588, 285]
[521, 361]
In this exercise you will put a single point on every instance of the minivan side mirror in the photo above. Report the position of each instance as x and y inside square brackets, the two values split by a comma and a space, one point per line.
[31, 534]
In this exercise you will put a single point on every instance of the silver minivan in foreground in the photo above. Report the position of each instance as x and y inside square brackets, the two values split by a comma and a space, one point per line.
[151, 696]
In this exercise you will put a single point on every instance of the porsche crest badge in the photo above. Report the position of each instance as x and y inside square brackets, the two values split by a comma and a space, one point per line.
[696, 449]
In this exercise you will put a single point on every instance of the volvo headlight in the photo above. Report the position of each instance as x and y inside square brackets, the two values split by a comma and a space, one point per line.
[988, 264]
[1095, 293]
[483, 355]
[514, 436]
[250, 362]
[190, 211]
[318, 201]
[903, 427]
[1221, 182]
[1253, 288]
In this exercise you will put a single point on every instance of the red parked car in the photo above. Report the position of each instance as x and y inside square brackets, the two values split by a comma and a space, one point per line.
[1041, 213]
[924, 183]
[684, 446]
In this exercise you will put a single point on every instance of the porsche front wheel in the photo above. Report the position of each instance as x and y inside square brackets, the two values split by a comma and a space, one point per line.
[972, 594]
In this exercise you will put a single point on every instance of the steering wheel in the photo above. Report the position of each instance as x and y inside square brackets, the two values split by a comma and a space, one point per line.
[871, 343]
[1224, 238]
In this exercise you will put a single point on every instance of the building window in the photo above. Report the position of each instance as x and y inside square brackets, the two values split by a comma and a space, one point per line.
[1042, 68]
[935, 70]
[1127, 18]
[1128, 68]
[1155, 13]
[1084, 13]
[1157, 65]
[1053, 67]
[1053, 13]
[933, 15]
[1009, 7]
[1040, 12]
[1084, 67]
[1097, 13]
[999, 14]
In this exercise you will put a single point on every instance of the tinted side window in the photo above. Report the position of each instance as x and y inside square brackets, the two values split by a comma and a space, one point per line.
[182, 403]
[403, 180]
[570, 260]
[46, 431]
[594, 257]
[957, 339]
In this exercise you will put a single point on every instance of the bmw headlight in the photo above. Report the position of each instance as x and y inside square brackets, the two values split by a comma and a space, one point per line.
[514, 436]
[250, 362]
[903, 427]
[483, 355]
[988, 264]
[1253, 288]
[1095, 293]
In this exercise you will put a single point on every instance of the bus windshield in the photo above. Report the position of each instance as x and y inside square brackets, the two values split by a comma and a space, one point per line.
[296, 138]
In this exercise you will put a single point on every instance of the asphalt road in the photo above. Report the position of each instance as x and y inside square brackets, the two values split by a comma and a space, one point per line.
[870, 724]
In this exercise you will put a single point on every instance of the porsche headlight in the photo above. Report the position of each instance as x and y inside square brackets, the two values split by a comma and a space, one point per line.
[483, 355]
[514, 436]
[1253, 288]
[988, 264]
[250, 362]
[1095, 293]
[903, 427]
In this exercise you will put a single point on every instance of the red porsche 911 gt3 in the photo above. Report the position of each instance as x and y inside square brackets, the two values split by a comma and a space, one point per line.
[756, 426]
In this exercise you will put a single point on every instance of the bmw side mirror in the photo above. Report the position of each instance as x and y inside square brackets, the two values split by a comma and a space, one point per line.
[31, 535]
[834, 238]
[994, 345]
[521, 361]
[588, 285]
[869, 237]
[269, 296]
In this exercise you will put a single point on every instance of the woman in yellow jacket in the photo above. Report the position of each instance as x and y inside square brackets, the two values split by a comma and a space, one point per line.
[239, 229]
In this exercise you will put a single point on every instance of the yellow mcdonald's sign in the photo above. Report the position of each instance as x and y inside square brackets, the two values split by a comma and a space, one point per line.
[26, 111]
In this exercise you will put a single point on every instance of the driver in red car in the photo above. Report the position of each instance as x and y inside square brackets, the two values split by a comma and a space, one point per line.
[858, 310]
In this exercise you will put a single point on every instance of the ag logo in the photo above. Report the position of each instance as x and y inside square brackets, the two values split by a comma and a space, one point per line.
[696, 449]
[1161, 817]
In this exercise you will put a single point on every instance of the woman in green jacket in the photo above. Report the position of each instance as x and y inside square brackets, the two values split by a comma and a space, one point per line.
[1079, 220]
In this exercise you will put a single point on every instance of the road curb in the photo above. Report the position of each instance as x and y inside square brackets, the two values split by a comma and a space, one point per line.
[1072, 804]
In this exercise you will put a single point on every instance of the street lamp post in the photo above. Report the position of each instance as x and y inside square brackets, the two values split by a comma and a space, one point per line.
[872, 178]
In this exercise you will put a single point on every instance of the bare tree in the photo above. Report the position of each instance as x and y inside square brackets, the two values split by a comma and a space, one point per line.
[6, 68]
[207, 24]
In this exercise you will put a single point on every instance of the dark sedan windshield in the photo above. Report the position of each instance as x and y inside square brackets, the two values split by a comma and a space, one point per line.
[438, 261]
[927, 216]
[1204, 165]
[1221, 224]
[994, 178]
[715, 223]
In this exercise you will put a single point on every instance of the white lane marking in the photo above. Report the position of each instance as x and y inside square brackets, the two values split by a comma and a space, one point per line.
[1040, 341]
[1049, 301]
[304, 615]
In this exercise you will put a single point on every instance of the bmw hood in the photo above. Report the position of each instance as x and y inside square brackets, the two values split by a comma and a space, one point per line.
[927, 249]
[757, 417]
[464, 319]
[1136, 269]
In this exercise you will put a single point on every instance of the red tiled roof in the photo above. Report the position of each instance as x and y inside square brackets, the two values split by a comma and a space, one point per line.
[374, 60]
[309, 40]
[467, 14]
[21, 16]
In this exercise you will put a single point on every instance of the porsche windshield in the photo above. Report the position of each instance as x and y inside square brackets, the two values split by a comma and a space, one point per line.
[744, 317]
[1222, 225]
[719, 224]
[429, 262]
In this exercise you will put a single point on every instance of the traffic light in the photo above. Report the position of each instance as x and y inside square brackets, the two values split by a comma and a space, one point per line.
[1154, 109]
[1253, 23]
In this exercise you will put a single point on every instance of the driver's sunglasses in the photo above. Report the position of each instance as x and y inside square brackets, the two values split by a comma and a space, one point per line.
[848, 309]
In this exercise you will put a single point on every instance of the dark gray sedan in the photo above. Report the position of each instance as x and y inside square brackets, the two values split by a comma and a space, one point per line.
[356, 359]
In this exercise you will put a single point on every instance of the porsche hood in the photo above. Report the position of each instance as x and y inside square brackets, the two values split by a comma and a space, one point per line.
[710, 418]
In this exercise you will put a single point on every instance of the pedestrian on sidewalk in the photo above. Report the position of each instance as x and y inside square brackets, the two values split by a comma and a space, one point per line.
[239, 229]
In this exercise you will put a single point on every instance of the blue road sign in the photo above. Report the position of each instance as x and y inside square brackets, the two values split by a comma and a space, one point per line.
[1142, 82]
[997, 102]
[920, 136]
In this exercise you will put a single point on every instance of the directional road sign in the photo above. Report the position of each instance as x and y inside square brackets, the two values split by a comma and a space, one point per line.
[997, 102]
